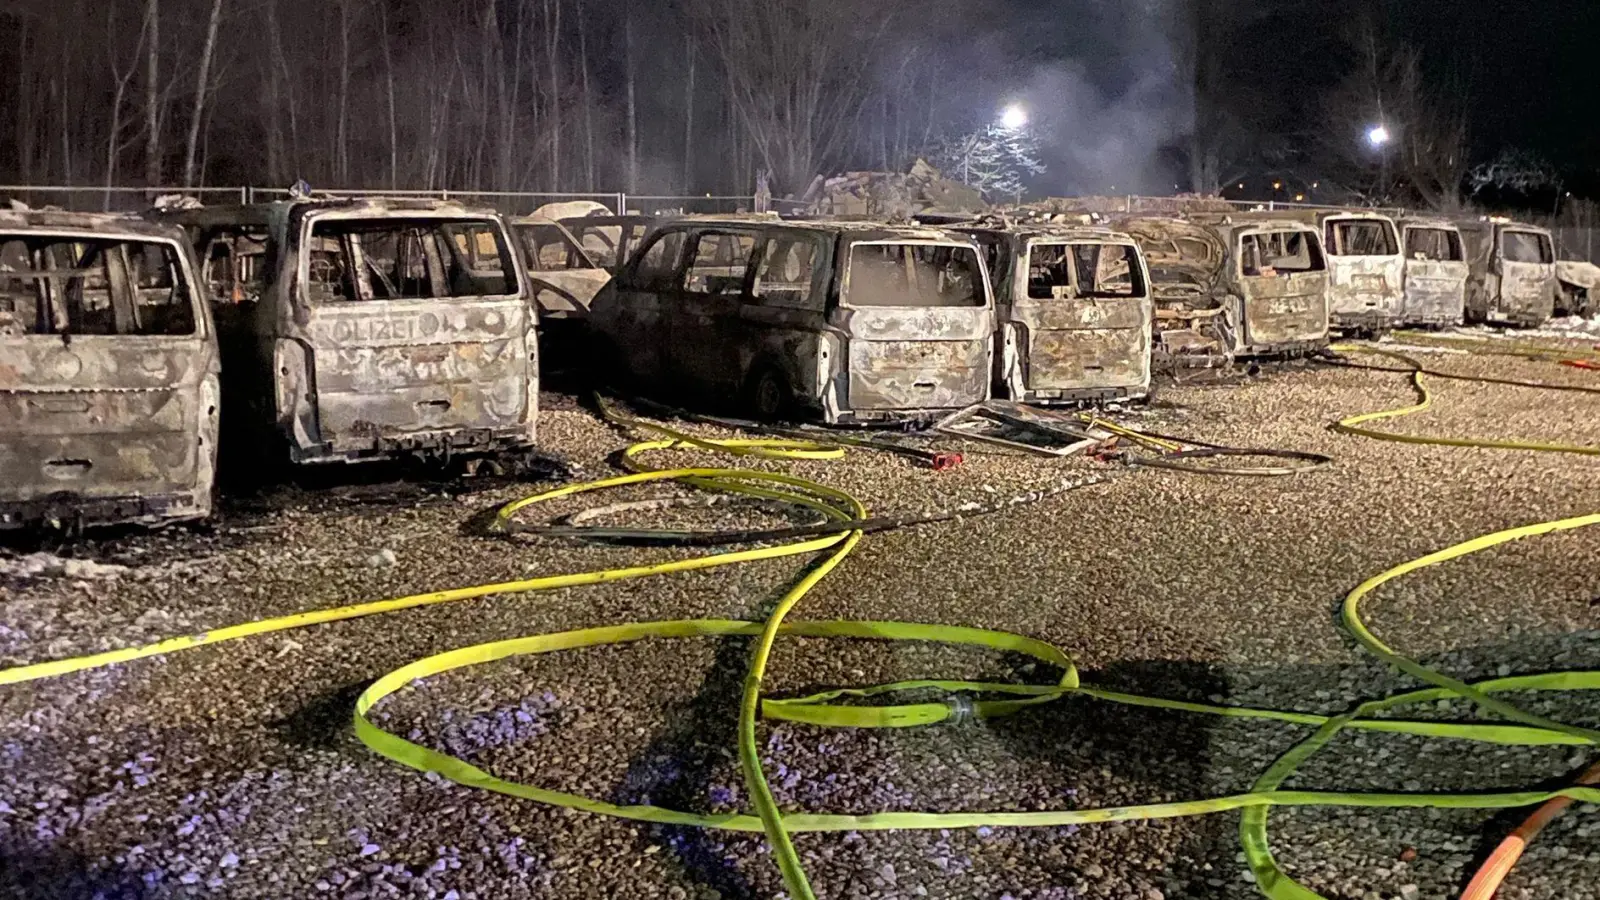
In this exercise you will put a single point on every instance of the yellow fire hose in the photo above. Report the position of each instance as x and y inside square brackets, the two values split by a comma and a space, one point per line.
[993, 699]
[1353, 424]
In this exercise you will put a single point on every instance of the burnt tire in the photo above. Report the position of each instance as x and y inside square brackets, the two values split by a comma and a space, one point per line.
[767, 396]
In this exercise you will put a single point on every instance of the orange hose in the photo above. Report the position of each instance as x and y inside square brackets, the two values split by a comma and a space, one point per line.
[1500, 863]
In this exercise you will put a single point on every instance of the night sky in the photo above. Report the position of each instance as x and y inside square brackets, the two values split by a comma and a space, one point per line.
[1529, 69]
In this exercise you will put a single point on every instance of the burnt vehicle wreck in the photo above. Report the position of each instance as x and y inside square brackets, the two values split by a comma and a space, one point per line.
[1233, 286]
[1512, 278]
[1366, 270]
[1435, 273]
[109, 385]
[360, 329]
[838, 321]
[1074, 310]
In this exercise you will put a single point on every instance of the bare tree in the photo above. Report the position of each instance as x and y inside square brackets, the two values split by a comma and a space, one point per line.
[795, 74]
[201, 90]
[1421, 152]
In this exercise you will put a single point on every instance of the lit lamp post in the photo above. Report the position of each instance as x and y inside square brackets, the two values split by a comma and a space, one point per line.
[1378, 138]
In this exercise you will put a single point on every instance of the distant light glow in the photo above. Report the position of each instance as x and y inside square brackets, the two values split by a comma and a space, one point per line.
[1014, 117]
[1377, 135]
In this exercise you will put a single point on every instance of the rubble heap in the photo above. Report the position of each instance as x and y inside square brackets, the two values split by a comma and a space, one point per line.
[891, 195]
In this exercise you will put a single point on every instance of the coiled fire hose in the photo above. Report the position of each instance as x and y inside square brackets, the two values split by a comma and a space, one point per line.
[993, 699]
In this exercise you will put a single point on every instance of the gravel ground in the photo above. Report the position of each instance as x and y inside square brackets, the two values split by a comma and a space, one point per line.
[232, 771]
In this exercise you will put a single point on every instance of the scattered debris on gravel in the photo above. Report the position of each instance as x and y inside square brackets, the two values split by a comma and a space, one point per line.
[232, 771]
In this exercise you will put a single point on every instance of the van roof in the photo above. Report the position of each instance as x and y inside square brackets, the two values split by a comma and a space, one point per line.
[843, 227]
[87, 222]
[264, 213]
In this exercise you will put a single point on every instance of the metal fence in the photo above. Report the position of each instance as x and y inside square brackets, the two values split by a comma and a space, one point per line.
[1578, 242]
[135, 199]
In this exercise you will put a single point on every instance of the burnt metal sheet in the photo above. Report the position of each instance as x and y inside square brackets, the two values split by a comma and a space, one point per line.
[917, 374]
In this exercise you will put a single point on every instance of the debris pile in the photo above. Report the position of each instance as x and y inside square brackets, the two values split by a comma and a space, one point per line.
[1178, 203]
[891, 195]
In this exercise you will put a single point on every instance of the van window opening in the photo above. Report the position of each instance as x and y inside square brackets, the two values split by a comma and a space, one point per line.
[92, 286]
[1277, 252]
[236, 266]
[913, 275]
[550, 250]
[1361, 237]
[786, 271]
[408, 259]
[1083, 270]
[1526, 247]
[659, 260]
[1436, 244]
[719, 263]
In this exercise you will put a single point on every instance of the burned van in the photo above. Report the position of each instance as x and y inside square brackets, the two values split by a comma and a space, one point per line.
[108, 373]
[1365, 293]
[1074, 311]
[1512, 272]
[839, 321]
[1233, 286]
[564, 278]
[1435, 273]
[358, 329]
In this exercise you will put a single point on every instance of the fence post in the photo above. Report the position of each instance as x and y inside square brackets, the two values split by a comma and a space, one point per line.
[622, 203]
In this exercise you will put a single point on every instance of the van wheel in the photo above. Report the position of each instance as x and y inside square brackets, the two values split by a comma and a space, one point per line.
[767, 395]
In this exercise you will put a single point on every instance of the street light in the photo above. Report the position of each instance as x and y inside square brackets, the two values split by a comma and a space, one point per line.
[1378, 135]
[1014, 117]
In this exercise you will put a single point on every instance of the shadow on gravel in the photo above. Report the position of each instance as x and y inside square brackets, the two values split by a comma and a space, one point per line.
[1118, 754]
[324, 721]
[678, 771]
[43, 874]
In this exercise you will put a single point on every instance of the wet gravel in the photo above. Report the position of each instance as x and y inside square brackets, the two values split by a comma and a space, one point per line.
[232, 771]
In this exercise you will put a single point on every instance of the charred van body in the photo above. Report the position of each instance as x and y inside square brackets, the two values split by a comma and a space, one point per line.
[1435, 273]
[109, 387]
[1233, 286]
[1074, 309]
[355, 329]
[839, 321]
[1512, 278]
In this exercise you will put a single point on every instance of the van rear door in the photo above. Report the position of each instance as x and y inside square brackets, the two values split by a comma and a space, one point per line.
[919, 325]
[108, 378]
[1284, 280]
[1436, 275]
[1085, 309]
[1527, 277]
[420, 332]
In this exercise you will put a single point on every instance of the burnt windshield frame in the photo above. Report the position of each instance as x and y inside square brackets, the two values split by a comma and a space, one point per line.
[978, 277]
[1541, 241]
[1317, 257]
[1455, 249]
[112, 257]
[1338, 228]
[433, 238]
[1138, 287]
